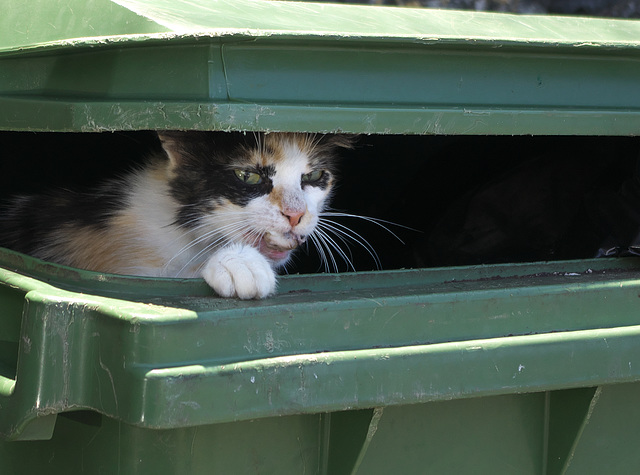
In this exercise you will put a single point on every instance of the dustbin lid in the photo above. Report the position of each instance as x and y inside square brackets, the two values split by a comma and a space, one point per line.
[48, 23]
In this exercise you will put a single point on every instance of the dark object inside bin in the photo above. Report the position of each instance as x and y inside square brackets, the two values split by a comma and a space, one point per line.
[549, 207]
[484, 200]
[469, 200]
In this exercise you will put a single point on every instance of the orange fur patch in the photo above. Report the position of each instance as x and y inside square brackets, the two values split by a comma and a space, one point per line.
[277, 144]
[117, 249]
[276, 196]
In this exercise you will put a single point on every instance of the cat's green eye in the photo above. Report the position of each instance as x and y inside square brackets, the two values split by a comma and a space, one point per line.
[312, 176]
[250, 178]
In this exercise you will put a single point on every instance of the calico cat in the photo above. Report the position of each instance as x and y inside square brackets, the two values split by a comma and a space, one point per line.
[230, 207]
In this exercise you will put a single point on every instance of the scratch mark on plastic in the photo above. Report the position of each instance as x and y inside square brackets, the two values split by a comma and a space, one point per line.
[113, 385]
[391, 318]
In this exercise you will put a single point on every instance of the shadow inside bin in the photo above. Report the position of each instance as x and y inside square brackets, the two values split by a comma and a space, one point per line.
[466, 199]
[483, 200]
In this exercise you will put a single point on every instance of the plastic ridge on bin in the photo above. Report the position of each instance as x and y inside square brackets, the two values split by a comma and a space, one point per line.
[261, 65]
[168, 356]
[390, 338]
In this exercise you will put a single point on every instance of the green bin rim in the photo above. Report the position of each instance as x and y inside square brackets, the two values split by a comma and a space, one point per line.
[355, 341]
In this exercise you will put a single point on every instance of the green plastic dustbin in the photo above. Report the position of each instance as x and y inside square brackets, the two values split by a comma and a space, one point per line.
[527, 368]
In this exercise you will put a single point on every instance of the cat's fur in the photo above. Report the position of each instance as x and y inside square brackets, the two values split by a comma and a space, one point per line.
[190, 211]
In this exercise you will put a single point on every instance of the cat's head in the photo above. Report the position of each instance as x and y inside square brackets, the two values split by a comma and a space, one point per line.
[265, 190]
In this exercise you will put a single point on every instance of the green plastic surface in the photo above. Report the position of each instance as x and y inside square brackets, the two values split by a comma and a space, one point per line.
[260, 65]
[346, 373]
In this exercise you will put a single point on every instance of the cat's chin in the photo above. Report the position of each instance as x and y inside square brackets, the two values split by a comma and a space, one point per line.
[276, 254]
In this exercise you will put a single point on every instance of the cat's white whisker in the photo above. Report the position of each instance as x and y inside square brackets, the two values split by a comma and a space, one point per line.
[341, 230]
[203, 251]
[225, 234]
[189, 229]
[232, 234]
[194, 242]
[324, 224]
[376, 221]
[325, 242]
[186, 224]
[320, 249]
[240, 235]
[331, 243]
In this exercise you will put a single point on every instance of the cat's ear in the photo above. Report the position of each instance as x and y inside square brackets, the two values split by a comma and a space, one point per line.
[340, 140]
[172, 143]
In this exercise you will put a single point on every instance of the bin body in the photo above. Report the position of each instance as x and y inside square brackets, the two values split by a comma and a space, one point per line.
[516, 368]
[490, 367]
[479, 435]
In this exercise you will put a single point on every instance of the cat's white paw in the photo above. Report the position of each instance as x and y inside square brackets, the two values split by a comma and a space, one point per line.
[240, 271]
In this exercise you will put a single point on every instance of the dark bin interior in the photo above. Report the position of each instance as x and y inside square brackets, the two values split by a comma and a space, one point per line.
[467, 199]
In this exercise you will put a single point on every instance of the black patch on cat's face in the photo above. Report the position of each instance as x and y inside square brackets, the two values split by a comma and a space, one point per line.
[204, 172]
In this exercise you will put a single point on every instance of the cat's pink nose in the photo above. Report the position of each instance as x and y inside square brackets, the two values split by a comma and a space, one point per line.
[294, 217]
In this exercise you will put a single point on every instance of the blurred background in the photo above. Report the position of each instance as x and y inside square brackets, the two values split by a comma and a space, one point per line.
[601, 8]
